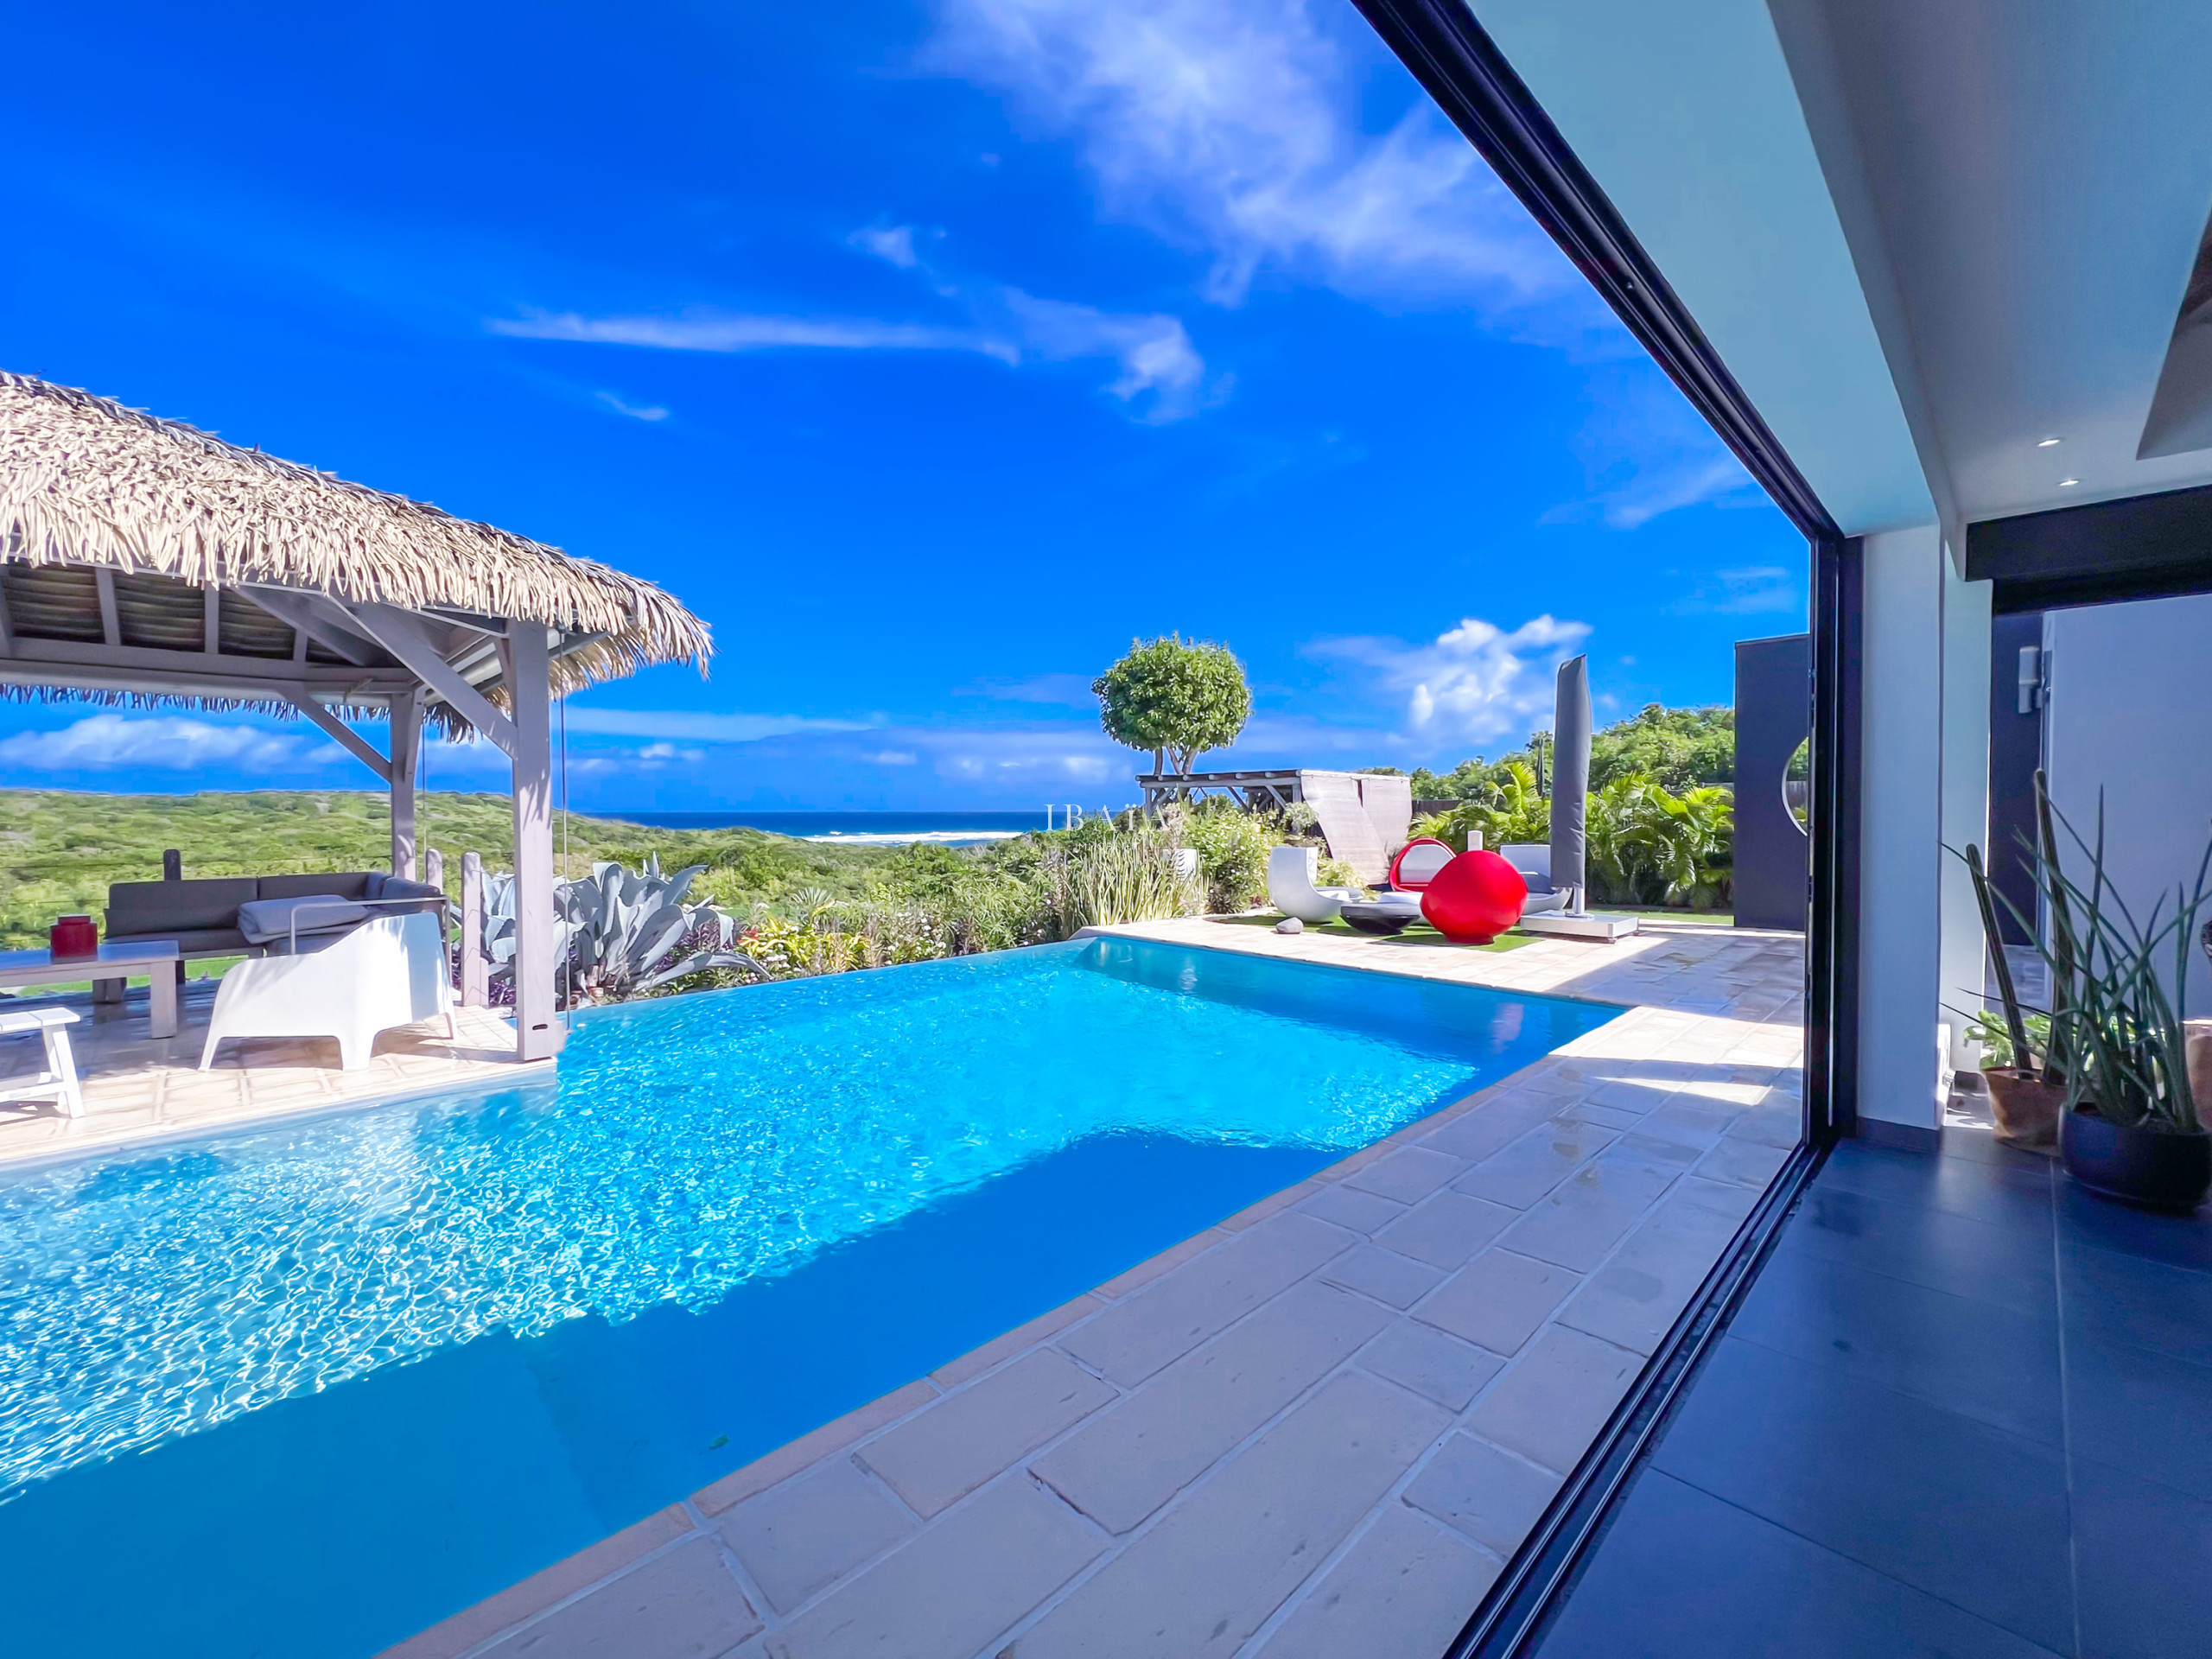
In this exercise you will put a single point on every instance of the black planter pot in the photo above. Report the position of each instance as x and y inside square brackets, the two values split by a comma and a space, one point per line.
[2149, 1167]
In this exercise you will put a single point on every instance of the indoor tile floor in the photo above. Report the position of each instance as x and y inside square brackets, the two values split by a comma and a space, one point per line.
[1962, 1412]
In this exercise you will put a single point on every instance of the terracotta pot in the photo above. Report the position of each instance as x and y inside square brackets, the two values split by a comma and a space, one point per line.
[2149, 1167]
[2026, 1107]
[2197, 1034]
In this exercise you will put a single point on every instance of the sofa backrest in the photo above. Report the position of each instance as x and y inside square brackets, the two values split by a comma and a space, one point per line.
[352, 884]
[135, 907]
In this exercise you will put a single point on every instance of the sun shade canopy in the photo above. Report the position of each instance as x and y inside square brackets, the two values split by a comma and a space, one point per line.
[146, 561]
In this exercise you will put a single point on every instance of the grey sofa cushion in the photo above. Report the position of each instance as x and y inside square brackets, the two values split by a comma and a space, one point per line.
[270, 920]
[349, 884]
[164, 909]
[393, 887]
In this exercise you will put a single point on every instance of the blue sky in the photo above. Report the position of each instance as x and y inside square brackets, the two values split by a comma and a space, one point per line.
[930, 352]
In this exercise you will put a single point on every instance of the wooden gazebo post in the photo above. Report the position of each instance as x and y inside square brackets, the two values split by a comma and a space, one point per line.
[406, 753]
[539, 1031]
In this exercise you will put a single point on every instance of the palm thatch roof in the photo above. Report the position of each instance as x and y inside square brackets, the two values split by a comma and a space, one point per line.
[87, 483]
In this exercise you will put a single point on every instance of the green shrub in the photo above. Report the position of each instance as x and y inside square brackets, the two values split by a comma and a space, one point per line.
[1233, 846]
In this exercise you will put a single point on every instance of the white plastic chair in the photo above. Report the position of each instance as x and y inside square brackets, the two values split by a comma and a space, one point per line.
[385, 973]
[1291, 871]
[58, 1083]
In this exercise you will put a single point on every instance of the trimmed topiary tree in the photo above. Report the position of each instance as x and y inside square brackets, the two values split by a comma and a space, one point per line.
[1174, 699]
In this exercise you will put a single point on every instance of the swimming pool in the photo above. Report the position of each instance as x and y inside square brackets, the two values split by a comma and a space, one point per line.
[344, 1375]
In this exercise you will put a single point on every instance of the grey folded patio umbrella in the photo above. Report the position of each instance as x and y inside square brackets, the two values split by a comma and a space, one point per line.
[1570, 777]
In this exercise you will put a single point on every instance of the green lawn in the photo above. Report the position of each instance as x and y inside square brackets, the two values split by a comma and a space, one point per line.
[59, 848]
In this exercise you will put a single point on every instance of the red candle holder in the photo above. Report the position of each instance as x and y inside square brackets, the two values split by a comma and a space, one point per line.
[72, 936]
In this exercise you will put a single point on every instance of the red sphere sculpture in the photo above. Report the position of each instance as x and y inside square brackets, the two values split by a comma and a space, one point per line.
[1474, 898]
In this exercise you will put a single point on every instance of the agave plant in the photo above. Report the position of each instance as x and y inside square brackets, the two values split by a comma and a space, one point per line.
[2116, 1039]
[619, 932]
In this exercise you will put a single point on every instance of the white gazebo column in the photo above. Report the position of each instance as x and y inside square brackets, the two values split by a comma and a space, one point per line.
[406, 748]
[539, 1031]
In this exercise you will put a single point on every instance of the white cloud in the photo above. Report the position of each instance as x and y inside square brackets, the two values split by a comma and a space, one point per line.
[1046, 756]
[667, 723]
[1161, 375]
[1749, 590]
[1237, 128]
[104, 742]
[1476, 683]
[718, 331]
[892, 758]
[1071, 690]
[647, 412]
[895, 244]
[659, 752]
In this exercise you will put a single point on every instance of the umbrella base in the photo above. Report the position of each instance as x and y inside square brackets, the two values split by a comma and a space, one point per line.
[1604, 925]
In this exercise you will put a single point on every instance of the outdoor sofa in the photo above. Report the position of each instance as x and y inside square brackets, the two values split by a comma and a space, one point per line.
[202, 916]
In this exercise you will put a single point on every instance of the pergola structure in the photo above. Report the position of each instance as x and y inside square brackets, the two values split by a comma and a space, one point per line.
[147, 562]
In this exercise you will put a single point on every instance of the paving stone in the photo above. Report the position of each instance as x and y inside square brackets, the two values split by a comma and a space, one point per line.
[1534, 1164]
[1444, 1229]
[1234, 1548]
[1405, 1588]
[1605, 1117]
[950, 1589]
[1383, 1275]
[685, 1604]
[1347, 1206]
[1555, 1399]
[1422, 1358]
[1408, 1174]
[1139, 1454]
[941, 1454]
[1134, 1337]
[1634, 1298]
[1495, 1123]
[1491, 1496]
[1780, 1126]
[1585, 1217]
[1498, 1300]
[794, 1539]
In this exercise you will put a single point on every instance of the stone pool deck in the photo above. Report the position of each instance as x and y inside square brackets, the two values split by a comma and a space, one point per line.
[140, 1088]
[1316, 1429]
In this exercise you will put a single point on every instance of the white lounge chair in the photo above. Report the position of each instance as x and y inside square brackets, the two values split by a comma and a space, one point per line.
[58, 1083]
[1534, 860]
[1291, 872]
[385, 973]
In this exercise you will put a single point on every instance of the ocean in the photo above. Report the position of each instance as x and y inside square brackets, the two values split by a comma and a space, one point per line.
[860, 828]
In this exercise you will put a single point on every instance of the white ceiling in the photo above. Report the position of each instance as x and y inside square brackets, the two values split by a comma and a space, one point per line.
[1923, 236]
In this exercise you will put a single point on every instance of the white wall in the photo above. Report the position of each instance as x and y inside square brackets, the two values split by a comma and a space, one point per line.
[1962, 951]
[1901, 673]
[2130, 715]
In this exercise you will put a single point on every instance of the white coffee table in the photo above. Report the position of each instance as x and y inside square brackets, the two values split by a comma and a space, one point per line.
[152, 960]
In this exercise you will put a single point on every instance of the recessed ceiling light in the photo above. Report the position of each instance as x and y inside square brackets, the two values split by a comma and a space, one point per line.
[2068, 483]
[2046, 443]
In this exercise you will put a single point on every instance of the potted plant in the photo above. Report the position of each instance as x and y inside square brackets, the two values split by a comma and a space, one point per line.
[2026, 1092]
[2129, 1129]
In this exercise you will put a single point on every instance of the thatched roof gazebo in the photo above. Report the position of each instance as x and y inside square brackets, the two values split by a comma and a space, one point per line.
[147, 562]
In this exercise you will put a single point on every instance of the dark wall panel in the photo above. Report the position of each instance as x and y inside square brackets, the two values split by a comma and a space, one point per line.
[2015, 751]
[1774, 712]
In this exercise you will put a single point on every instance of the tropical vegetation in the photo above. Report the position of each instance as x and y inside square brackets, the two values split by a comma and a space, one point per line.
[1677, 749]
[1646, 844]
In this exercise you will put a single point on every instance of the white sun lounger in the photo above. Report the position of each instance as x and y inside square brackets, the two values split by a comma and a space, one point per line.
[58, 1083]
[385, 973]
[1291, 872]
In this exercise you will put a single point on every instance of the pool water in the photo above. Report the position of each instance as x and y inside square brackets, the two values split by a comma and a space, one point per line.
[306, 1389]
